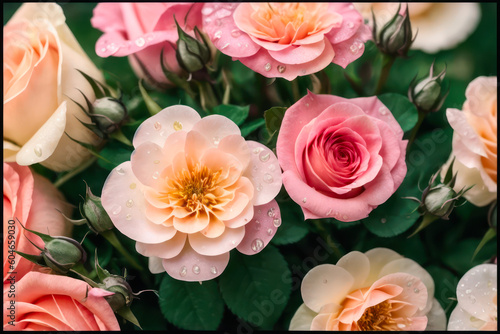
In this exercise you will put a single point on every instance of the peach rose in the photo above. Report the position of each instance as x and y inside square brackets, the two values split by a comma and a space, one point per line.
[341, 158]
[435, 22]
[377, 290]
[286, 40]
[33, 200]
[141, 31]
[194, 190]
[46, 302]
[475, 141]
[477, 300]
[40, 78]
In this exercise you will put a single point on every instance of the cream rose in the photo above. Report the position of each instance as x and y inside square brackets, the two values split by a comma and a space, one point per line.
[40, 78]
[436, 23]
[475, 141]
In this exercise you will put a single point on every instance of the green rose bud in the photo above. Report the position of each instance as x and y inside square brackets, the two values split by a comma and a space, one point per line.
[440, 200]
[62, 253]
[108, 114]
[426, 94]
[123, 292]
[92, 210]
[191, 54]
[395, 37]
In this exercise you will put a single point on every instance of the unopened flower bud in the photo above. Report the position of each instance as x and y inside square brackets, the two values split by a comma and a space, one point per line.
[62, 253]
[426, 94]
[191, 54]
[108, 114]
[440, 200]
[123, 292]
[395, 37]
[97, 218]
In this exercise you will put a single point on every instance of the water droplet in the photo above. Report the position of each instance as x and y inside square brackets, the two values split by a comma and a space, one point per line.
[277, 222]
[416, 290]
[183, 271]
[156, 175]
[307, 104]
[236, 33]
[462, 285]
[38, 150]
[208, 20]
[345, 217]
[259, 187]
[265, 157]
[224, 46]
[270, 231]
[329, 212]
[177, 126]
[218, 34]
[401, 325]
[257, 225]
[350, 25]
[157, 126]
[207, 10]
[257, 245]
[468, 291]
[351, 6]
[112, 47]
[383, 220]
[409, 283]
[149, 37]
[120, 171]
[257, 150]
[216, 140]
[140, 42]
[270, 212]
[196, 269]
[272, 168]
[477, 284]
[213, 270]
[473, 300]
[128, 217]
[382, 110]
[267, 67]
[268, 178]
[103, 50]
[304, 200]
[223, 13]
[354, 48]
[129, 203]
[132, 186]
[281, 68]
[325, 281]
[116, 210]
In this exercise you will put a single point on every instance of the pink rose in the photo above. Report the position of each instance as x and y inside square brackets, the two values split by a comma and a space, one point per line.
[194, 190]
[46, 302]
[475, 141]
[377, 290]
[341, 158]
[33, 200]
[41, 59]
[477, 300]
[287, 39]
[141, 31]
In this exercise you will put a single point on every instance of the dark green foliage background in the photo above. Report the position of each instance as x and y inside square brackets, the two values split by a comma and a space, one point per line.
[445, 248]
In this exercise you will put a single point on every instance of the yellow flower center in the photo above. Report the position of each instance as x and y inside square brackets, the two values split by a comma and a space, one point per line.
[194, 189]
[377, 318]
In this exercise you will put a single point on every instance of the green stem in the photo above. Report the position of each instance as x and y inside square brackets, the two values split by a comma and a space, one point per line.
[388, 62]
[113, 240]
[415, 129]
[328, 239]
[63, 179]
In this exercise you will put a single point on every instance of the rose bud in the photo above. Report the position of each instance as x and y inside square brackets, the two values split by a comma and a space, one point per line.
[191, 54]
[108, 114]
[395, 37]
[123, 294]
[426, 94]
[96, 217]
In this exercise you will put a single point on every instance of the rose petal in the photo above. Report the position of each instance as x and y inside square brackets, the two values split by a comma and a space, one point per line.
[262, 227]
[155, 265]
[358, 265]
[165, 250]
[216, 127]
[436, 317]
[299, 54]
[378, 258]
[302, 319]
[228, 240]
[192, 267]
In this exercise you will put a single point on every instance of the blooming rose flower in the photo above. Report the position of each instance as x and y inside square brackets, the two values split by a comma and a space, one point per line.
[194, 190]
[142, 31]
[46, 302]
[341, 157]
[435, 22]
[287, 39]
[477, 300]
[475, 141]
[377, 290]
[41, 59]
[33, 200]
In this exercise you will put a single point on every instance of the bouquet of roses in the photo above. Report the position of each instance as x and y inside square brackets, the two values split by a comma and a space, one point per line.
[250, 166]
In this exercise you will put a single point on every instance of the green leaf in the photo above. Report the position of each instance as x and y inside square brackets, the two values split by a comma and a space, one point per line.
[255, 287]
[237, 114]
[250, 127]
[459, 255]
[152, 106]
[393, 217]
[191, 305]
[445, 283]
[293, 227]
[403, 110]
[274, 117]
[115, 153]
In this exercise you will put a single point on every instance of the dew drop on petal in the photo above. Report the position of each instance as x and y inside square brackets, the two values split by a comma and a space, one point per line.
[218, 34]
[304, 200]
[257, 245]
[270, 212]
[130, 203]
[268, 178]
[267, 67]
[157, 126]
[329, 212]
[116, 209]
[223, 13]
[350, 25]
[257, 225]
[416, 290]
[281, 68]
[120, 171]
[354, 48]
[401, 325]
[213, 270]
[257, 150]
[140, 42]
[216, 140]
[468, 291]
[38, 150]
[345, 217]
[183, 271]
[132, 186]
[272, 168]
[207, 10]
[270, 231]
[103, 50]
[196, 269]
[277, 222]
[149, 37]
[265, 157]
[259, 187]
[224, 46]
[409, 283]
[112, 47]
[156, 175]
[128, 217]
[382, 110]
[236, 33]
[177, 126]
